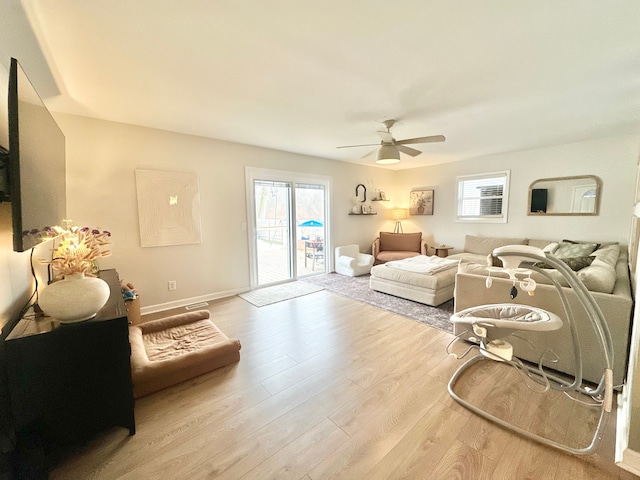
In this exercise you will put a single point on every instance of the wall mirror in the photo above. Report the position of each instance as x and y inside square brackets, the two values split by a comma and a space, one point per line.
[578, 195]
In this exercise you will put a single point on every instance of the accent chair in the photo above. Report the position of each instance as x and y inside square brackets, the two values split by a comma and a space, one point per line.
[349, 261]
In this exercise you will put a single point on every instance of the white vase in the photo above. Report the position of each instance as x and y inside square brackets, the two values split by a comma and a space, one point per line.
[75, 298]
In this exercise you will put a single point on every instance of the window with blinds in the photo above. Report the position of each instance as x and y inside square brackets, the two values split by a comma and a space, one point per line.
[483, 198]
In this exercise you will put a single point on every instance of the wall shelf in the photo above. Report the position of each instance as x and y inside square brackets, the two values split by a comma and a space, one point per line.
[374, 213]
[379, 200]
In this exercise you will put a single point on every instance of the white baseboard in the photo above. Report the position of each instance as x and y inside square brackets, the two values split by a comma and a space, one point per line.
[161, 307]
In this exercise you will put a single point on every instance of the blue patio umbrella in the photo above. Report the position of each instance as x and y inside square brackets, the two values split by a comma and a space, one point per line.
[311, 223]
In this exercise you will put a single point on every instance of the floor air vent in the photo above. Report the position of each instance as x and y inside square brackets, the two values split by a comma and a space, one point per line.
[196, 305]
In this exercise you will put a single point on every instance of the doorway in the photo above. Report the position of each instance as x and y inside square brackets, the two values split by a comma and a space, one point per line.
[288, 225]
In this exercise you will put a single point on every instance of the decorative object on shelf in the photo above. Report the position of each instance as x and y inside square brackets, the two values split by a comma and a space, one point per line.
[74, 298]
[77, 295]
[421, 202]
[358, 209]
[355, 204]
[398, 214]
[379, 196]
[364, 210]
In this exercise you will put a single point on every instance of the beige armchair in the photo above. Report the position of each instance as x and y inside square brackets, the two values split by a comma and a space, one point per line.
[396, 246]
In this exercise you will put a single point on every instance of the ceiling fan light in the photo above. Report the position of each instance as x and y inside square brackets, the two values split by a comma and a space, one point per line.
[387, 155]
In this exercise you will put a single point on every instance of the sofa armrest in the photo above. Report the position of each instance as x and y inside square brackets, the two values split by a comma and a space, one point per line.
[375, 247]
[365, 259]
[173, 321]
[346, 262]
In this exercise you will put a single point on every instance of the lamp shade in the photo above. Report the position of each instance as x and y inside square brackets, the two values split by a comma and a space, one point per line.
[387, 155]
[398, 213]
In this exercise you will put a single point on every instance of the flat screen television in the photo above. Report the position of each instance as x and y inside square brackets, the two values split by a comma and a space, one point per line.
[37, 172]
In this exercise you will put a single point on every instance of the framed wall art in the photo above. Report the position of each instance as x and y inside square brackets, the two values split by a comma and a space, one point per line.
[168, 208]
[421, 202]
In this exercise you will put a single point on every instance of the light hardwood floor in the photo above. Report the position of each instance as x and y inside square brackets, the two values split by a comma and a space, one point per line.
[330, 388]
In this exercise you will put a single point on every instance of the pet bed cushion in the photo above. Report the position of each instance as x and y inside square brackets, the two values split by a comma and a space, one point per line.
[174, 349]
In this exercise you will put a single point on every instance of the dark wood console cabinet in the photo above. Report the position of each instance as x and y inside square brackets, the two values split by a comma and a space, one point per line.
[68, 382]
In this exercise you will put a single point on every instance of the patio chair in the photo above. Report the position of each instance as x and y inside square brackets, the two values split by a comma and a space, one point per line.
[313, 250]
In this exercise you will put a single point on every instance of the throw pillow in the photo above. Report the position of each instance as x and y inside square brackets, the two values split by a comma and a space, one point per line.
[574, 263]
[568, 250]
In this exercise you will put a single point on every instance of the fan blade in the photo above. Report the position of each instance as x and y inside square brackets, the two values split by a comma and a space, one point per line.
[386, 137]
[409, 151]
[369, 154]
[431, 139]
[363, 145]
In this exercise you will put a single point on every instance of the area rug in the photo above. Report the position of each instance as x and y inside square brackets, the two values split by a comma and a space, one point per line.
[358, 289]
[278, 293]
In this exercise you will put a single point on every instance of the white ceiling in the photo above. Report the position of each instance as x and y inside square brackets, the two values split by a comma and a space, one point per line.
[307, 76]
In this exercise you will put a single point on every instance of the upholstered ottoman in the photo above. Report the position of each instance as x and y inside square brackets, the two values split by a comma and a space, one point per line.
[431, 289]
[174, 349]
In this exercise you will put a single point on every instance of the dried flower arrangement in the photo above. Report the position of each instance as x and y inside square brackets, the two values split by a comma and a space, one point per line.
[78, 250]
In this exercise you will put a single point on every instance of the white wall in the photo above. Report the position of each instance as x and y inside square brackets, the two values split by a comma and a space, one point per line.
[101, 192]
[102, 157]
[612, 159]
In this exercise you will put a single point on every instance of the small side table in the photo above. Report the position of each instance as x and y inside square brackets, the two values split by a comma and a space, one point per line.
[442, 250]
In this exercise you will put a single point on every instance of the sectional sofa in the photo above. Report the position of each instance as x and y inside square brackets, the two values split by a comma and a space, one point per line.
[606, 277]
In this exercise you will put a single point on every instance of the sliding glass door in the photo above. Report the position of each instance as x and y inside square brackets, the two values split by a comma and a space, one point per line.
[288, 225]
[273, 231]
[310, 228]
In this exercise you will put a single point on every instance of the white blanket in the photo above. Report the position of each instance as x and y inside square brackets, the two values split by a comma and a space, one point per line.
[423, 264]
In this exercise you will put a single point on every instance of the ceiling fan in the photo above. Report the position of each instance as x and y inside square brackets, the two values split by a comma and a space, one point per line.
[390, 148]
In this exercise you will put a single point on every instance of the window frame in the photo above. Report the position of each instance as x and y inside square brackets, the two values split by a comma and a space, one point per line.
[502, 175]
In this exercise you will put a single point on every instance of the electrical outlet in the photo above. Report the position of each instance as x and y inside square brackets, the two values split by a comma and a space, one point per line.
[172, 285]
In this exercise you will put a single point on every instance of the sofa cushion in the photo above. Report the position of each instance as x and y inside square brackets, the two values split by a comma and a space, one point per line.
[607, 255]
[388, 256]
[598, 277]
[469, 258]
[400, 242]
[543, 244]
[486, 245]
